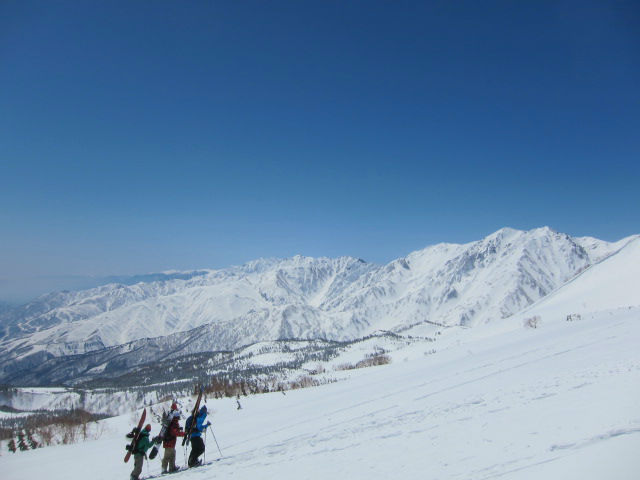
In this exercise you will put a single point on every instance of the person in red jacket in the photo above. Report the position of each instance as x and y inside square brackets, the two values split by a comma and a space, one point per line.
[173, 432]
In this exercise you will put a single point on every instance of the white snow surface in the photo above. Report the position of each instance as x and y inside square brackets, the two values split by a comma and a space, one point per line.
[495, 401]
[557, 402]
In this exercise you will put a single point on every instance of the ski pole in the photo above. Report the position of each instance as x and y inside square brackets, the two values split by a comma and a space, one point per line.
[214, 438]
[204, 459]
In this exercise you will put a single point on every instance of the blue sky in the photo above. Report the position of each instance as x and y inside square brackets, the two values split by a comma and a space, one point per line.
[143, 136]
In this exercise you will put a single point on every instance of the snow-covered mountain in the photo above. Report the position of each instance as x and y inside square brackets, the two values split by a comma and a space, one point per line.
[497, 401]
[301, 297]
[607, 286]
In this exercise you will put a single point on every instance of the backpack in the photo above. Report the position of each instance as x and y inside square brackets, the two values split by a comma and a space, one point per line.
[187, 424]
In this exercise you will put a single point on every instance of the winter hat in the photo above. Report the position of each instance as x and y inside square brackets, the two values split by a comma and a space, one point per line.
[174, 406]
[148, 427]
[203, 409]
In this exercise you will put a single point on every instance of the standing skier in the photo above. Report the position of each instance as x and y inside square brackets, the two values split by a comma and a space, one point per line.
[169, 443]
[140, 450]
[197, 445]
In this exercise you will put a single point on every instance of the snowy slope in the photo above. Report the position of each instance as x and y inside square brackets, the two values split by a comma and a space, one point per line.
[300, 297]
[605, 286]
[556, 402]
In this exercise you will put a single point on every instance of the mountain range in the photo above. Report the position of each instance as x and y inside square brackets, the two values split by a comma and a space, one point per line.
[167, 315]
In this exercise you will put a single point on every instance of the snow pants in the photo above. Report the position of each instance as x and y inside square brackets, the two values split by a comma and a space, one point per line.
[169, 460]
[137, 466]
[197, 449]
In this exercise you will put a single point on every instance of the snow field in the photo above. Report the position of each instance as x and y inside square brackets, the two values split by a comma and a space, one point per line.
[560, 401]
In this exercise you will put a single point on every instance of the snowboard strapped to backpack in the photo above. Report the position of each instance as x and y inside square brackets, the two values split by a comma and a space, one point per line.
[134, 435]
[167, 418]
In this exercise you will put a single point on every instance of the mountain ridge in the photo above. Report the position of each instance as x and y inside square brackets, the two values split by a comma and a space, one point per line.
[308, 298]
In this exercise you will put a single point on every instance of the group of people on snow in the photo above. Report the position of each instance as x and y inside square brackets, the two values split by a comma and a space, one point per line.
[169, 439]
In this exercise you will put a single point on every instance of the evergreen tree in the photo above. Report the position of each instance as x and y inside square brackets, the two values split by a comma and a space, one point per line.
[22, 445]
[32, 442]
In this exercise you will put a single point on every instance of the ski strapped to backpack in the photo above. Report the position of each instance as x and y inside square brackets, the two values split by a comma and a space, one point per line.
[135, 436]
[191, 421]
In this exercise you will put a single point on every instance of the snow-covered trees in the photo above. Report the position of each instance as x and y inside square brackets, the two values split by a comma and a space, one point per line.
[533, 322]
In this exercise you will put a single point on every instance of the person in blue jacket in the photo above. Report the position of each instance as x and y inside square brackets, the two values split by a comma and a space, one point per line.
[197, 445]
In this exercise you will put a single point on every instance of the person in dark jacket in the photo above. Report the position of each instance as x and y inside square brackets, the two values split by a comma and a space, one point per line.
[173, 432]
[140, 451]
[197, 445]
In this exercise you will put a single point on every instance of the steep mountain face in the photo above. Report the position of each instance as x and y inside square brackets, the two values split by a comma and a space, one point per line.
[464, 284]
[301, 297]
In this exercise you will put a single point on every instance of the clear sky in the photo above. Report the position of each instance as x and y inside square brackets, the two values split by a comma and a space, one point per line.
[139, 136]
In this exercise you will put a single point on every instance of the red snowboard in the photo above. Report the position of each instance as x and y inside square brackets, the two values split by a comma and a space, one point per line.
[132, 445]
